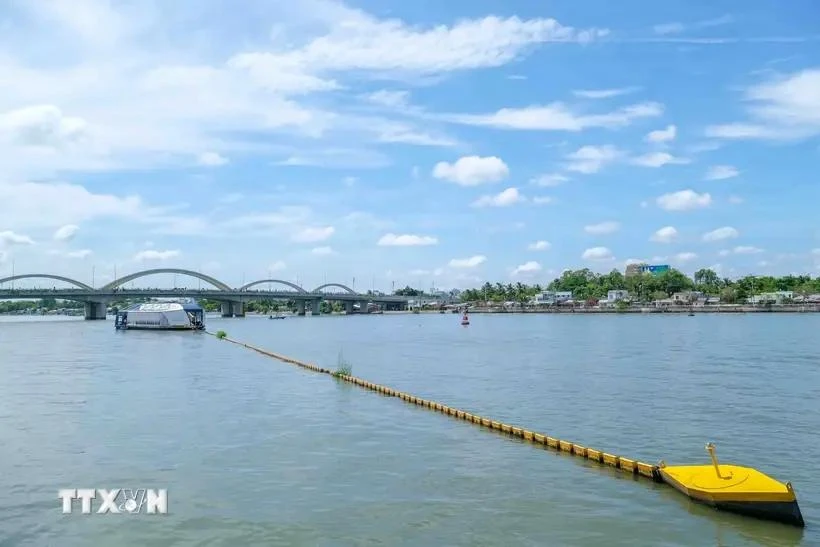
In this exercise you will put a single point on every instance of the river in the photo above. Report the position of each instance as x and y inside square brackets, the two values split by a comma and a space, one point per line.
[253, 451]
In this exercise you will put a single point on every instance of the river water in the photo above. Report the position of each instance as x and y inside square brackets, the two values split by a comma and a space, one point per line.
[253, 451]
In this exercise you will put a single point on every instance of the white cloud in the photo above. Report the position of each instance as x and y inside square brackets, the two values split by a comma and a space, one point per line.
[322, 251]
[603, 93]
[151, 254]
[591, 159]
[597, 253]
[7, 237]
[783, 108]
[66, 233]
[721, 172]
[471, 262]
[277, 266]
[406, 240]
[396, 133]
[28, 204]
[668, 28]
[539, 246]
[527, 268]
[549, 180]
[684, 200]
[677, 27]
[684, 257]
[603, 228]
[558, 117]
[82, 253]
[542, 200]
[746, 250]
[667, 234]
[658, 159]
[505, 198]
[175, 97]
[662, 135]
[390, 98]
[472, 170]
[312, 234]
[212, 159]
[41, 127]
[726, 232]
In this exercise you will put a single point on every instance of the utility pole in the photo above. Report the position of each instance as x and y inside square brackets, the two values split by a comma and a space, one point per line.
[93, 276]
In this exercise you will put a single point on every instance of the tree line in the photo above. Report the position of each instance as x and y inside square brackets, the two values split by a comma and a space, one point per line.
[586, 284]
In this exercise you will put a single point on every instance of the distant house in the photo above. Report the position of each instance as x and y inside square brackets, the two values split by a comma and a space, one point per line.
[616, 295]
[549, 298]
[777, 297]
[689, 297]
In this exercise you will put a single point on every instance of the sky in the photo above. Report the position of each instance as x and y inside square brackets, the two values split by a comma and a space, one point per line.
[384, 143]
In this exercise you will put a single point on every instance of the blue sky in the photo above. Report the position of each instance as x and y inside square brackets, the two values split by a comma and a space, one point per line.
[422, 143]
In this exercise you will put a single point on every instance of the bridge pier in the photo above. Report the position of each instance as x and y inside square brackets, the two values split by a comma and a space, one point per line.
[300, 307]
[233, 309]
[95, 311]
[316, 307]
[349, 306]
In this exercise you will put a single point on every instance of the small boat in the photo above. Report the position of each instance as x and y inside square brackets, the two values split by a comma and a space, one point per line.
[277, 316]
[161, 316]
[465, 320]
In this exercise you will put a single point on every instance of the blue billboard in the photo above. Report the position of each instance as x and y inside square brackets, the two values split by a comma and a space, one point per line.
[655, 269]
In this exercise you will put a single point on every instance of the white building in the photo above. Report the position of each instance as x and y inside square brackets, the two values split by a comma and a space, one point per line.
[619, 294]
[548, 298]
[776, 297]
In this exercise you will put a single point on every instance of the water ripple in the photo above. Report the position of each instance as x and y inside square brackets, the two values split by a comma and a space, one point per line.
[255, 452]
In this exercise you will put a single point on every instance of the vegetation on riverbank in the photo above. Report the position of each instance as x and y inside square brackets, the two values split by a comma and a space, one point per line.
[267, 306]
[586, 284]
[46, 304]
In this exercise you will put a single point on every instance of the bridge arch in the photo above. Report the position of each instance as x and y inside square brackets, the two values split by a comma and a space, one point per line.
[293, 286]
[347, 289]
[144, 273]
[74, 282]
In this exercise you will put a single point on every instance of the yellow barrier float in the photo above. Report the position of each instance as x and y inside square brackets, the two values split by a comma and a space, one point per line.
[734, 488]
[731, 488]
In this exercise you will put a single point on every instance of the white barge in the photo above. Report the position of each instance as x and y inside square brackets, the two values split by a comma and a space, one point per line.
[161, 316]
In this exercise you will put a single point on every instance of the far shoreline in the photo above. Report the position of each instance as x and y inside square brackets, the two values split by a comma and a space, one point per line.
[677, 310]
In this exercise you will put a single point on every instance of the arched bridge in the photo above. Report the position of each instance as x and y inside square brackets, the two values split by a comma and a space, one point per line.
[347, 289]
[68, 280]
[144, 273]
[293, 286]
[97, 299]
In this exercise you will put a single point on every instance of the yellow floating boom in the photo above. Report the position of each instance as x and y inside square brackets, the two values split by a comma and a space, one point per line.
[732, 488]
[735, 488]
